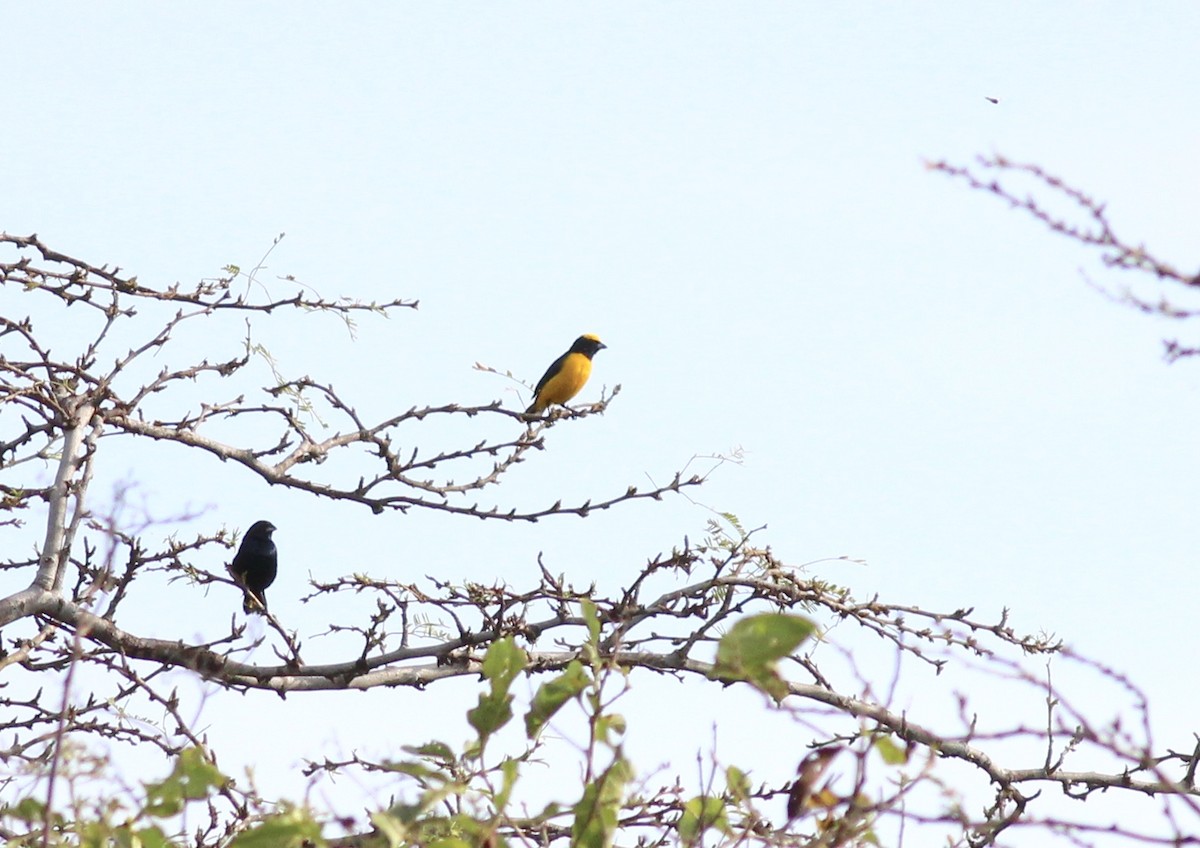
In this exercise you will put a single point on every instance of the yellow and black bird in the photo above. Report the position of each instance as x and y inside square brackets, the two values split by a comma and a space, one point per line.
[563, 380]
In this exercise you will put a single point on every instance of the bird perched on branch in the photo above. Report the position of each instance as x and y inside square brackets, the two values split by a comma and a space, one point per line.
[254, 565]
[563, 380]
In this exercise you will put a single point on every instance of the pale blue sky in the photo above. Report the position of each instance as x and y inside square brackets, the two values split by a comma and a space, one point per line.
[733, 197]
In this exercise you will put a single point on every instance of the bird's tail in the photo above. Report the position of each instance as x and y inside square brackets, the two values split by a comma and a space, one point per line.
[252, 602]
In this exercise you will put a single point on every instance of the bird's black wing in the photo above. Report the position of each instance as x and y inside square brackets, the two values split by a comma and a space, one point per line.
[554, 368]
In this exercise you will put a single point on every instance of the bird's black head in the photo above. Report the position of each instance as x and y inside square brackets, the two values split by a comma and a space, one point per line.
[587, 344]
[261, 528]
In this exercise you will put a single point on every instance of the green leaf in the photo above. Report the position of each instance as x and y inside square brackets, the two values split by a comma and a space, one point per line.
[125, 837]
[753, 646]
[153, 837]
[592, 619]
[450, 842]
[597, 813]
[591, 648]
[197, 775]
[550, 697]
[192, 779]
[892, 753]
[164, 800]
[434, 750]
[510, 769]
[738, 783]
[699, 815]
[503, 662]
[609, 725]
[412, 768]
[405, 815]
[392, 828]
[93, 834]
[493, 712]
[26, 810]
[292, 829]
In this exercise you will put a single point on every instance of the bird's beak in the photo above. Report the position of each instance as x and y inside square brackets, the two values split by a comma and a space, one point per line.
[602, 346]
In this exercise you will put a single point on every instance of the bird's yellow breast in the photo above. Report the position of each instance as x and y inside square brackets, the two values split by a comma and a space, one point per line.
[560, 388]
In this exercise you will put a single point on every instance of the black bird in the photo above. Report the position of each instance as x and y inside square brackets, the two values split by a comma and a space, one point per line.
[255, 564]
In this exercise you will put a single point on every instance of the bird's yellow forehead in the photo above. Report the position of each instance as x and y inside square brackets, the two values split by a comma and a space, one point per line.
[591, 337]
